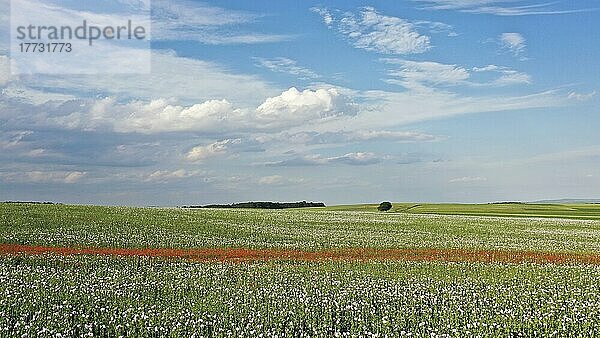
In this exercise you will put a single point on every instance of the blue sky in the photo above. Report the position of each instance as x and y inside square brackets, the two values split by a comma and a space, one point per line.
[334, 101]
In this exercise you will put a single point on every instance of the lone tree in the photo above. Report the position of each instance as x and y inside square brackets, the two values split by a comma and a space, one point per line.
[384, 206]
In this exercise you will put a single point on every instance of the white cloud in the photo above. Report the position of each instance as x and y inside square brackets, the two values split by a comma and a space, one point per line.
[499, 7]
[197, 21]
[293, 107]
[278, 180]
[455, 4]
[160, 116]
[591, 153]
[106, 56]
[9, 140]
[5, 73]
[166, 175]
[422, 75]
[401, 136]
[413, 74]
[507, 76]
[468, 179]
[488, 68]
[136, 116]
[372, 31]
[325, 15]
[38, 152]
[200, 153]
[437, 27]
[343, 137]
[510, 77]
[360, 158]
[74, 177]
[393, 108]
[355, 159]
[290, 109]
[271, 180]
[68, 177]
[285, 65]
[580, 96]
[188, 13]
[246, 39]
[185, 79]
[321, 110]
[513, 42]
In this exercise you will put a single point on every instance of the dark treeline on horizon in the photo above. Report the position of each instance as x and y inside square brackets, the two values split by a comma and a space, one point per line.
[263, 205]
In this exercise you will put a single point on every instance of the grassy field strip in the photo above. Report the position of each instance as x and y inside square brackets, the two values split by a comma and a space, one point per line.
[568, 211]
[306, 230]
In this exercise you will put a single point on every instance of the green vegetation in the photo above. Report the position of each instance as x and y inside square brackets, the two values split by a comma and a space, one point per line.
[307, 229]
[54, 296]
[384, 206]
[111, 297]
[573, 211]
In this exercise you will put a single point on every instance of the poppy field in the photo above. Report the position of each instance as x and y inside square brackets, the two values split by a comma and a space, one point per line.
[84, 271]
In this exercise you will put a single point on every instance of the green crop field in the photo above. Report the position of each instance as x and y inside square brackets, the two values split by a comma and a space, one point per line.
[51, 295]
[574, 211]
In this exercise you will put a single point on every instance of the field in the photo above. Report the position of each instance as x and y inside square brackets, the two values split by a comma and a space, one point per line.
[334, 272]
[571, 211]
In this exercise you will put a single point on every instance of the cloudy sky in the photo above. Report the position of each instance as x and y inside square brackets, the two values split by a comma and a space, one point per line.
[333, 101]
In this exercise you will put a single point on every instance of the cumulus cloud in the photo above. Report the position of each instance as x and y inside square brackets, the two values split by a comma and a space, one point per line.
[514, 43]
[290, 109]
[379, 33]
[296, 107]
[142, 117]
[159, 116]
[285, 65]
[200, 153]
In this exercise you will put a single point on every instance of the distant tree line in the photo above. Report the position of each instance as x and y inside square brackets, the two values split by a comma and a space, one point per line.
[262, 205]
[509, 202]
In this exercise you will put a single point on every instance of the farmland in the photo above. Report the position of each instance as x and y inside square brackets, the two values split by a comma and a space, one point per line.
[544, 210]
[100, 292]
